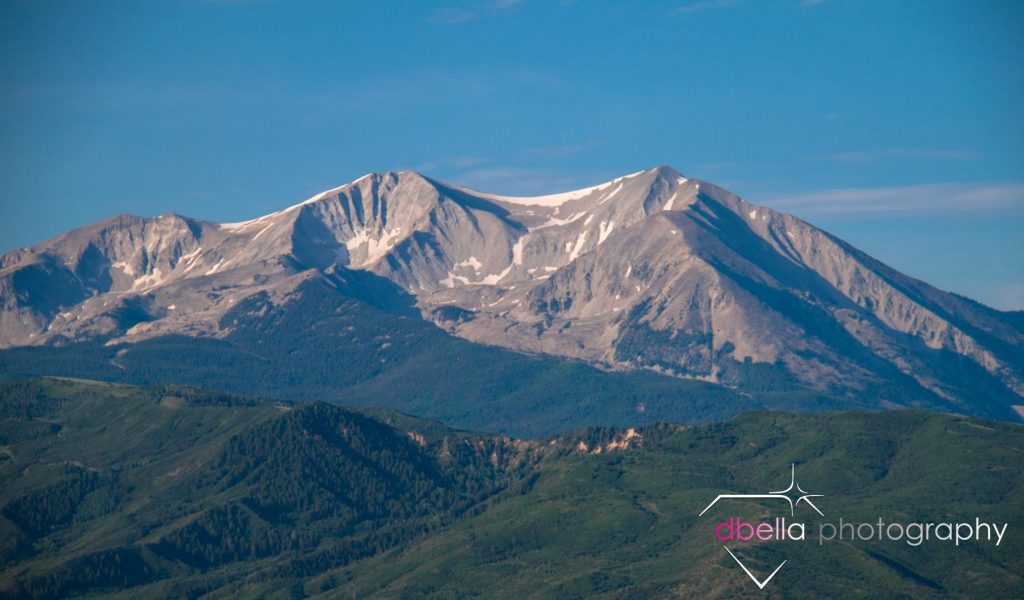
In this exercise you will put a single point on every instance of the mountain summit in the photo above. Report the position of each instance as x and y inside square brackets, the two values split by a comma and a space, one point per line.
[652, 270]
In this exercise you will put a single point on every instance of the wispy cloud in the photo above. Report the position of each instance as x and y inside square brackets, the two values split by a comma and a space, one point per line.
[470, 11]
[911, 199]
[234, 2]
[449, 161]
[708, 169]
[560, 151]
[870, 156]
[452, 16]
[385, 93]
[525, 171]
[705, 5]
[1006, 296]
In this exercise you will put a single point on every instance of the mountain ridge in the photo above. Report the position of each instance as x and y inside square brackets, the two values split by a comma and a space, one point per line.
[651, 270]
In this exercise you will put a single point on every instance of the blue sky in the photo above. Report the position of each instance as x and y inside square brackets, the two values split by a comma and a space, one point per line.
[897, 125]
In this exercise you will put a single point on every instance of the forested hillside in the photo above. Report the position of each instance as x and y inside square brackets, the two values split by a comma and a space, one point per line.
[171, 491]
[107, 487]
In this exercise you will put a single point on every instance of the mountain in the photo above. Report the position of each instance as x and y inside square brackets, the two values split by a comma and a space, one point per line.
[651, 272]
[170, 491]
[328, 345]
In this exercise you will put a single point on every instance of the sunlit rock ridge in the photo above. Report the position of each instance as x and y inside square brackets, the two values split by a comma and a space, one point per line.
[653, 270]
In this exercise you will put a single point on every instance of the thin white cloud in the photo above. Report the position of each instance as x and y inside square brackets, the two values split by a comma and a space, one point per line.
[910, 199]
[871, 156]
[1006, 296]
[450, 161]
[384, 93]
[452, 16]
[235, 2]
[560, 151]
[470, 11]
[705, 5]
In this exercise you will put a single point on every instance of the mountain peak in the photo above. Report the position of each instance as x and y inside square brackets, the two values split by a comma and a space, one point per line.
[665, 171]
[551, 200]
[558, 198]
[649, 270]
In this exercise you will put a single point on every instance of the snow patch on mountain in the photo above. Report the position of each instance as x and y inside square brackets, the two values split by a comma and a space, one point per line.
[550, 200]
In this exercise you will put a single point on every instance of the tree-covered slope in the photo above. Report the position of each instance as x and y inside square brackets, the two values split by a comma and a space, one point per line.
[175, 492]
[625, 524]
[105, 487]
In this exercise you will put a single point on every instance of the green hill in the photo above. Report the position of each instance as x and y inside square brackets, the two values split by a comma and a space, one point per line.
[625, 524]
[170, 491]
[106, 487]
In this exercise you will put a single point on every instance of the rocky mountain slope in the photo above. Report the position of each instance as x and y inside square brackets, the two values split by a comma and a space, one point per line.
[653, 270]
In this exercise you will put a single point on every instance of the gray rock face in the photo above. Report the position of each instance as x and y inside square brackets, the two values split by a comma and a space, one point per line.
[648, 271]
